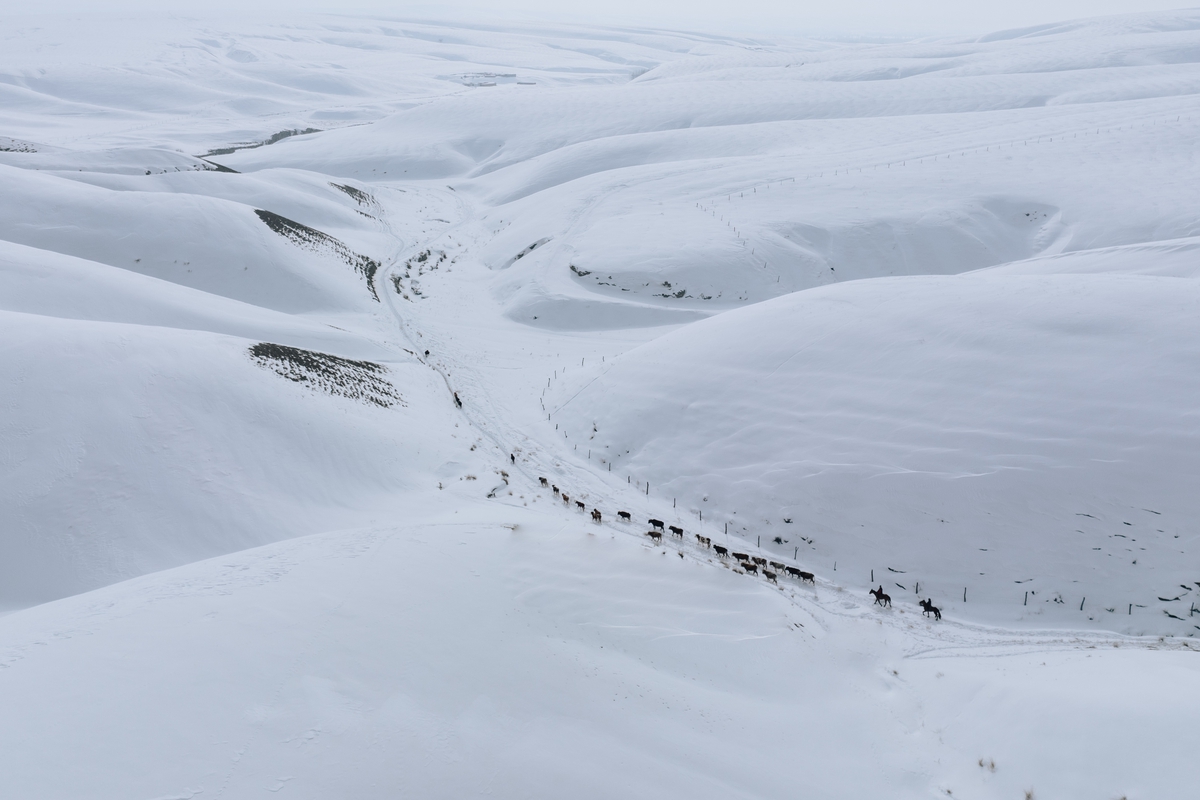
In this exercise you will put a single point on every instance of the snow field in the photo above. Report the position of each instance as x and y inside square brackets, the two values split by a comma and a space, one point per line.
[929, 301]
[454, 655]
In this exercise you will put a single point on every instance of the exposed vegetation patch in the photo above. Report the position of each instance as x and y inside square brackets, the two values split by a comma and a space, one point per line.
[272, 139]
[361, 197]
[313, 239]
[421, 262]
[8, 145]
[525, 252]
[341, 377]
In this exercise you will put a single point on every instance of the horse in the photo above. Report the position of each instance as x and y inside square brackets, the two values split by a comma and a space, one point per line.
[929, 608]
[881, 599]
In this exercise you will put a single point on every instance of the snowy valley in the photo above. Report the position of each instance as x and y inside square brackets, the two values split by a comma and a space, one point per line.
[325, 340]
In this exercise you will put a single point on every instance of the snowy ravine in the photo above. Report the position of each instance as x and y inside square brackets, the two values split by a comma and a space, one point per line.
[311, 328]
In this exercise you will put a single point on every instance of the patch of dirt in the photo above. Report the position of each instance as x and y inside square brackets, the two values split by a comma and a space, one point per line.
[313, 239]
[334, 375]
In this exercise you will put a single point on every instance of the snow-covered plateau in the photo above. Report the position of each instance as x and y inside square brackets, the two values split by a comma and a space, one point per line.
[332, 347]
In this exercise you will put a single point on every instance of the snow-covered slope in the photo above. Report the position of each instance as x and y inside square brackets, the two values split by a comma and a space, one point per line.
[1028, 440]
[296, 315]
[492, 651]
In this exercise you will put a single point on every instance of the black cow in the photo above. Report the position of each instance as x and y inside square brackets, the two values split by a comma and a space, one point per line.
[624, 516]
[543, 482]
[721, 551]
[657, 524]
[676, 530]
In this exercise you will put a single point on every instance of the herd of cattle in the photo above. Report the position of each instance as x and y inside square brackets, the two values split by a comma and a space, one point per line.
[750, 564]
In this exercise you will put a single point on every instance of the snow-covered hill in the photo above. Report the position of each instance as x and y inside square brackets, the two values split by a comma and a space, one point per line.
[298, 316]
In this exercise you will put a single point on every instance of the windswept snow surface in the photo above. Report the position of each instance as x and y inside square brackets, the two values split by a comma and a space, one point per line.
[917, 315]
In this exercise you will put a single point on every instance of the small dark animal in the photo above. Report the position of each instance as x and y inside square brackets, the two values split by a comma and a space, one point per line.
[780, 540]
[881, 598]
[801, 574]
[595, 515]
[776, 565]
[543, 482]
[555, 488]
[580, 506]
[624, 515]
[762, 562]
[654, 535]
[676, 530]
[721, 551]
[656, 523]
[770, 576]
[457, 402]
[427, 354]
[566, 498]
[746, 565]
[930, 608]
[788, 520]
[512, 458]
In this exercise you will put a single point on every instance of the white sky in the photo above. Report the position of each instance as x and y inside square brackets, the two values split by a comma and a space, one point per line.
[819, 17]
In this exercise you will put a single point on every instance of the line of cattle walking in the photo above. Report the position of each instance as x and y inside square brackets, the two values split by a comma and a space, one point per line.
[749, 563]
